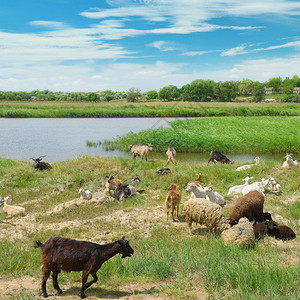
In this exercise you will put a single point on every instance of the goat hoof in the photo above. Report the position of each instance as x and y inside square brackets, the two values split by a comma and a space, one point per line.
[82, 296]
[45, 295]
[60, 292]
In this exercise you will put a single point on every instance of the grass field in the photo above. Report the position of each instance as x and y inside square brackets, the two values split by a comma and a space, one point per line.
[225, 134]
[168, 262]
[118, 109]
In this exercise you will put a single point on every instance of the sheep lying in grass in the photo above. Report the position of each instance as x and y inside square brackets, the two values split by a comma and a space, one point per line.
[241, 234]
[246, 167]
[13, 210]
[249, 206]
[173, 200]
[237, 189]
[205, 212]
[85, 194]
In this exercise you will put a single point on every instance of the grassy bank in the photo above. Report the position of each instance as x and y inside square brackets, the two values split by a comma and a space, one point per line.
[119, 109]
[168, 262]
[228, 135]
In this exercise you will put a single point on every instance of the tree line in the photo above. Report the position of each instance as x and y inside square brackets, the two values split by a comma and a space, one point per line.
[198, 90]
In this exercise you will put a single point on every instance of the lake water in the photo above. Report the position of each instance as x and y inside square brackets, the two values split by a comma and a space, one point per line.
[60, 139]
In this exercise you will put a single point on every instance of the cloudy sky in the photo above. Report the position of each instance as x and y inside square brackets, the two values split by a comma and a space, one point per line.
[95, 45]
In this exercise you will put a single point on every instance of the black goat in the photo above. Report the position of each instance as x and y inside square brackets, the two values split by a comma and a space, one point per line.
[163, 171]
[218, 156]
[271, 228]
[39, 164]
[128, 190]
[71, 255]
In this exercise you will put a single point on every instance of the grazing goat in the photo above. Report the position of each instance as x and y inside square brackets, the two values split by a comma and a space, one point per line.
[140, 150]
[249, 206]
[218, 156]
[171, 154]
[163, 171]
[290, 163]
[214, 196]
[39, 164]
[245, 167]
[60, 253]
[13, 210]
[85, 194]
[125, 191]
[112, 183]
[237, 189]
[173, 200]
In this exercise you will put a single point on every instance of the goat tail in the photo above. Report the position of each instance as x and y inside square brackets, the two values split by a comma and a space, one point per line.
[37, 244]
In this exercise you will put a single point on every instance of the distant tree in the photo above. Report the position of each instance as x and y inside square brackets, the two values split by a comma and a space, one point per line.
[258, 91]
[108, 95]
[274, 83]
[93, 97]
[198, 90]
[169, 92]
[245, 87]
[134, 95]
[151, 95]
[226, 91]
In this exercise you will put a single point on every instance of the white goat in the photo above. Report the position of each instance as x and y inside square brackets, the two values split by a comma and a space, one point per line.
[289, 162]
[196, 190]
[85, 194]
[214, 196]
[245, 167]
[237, 189]
[13, 210]
[271, 185]
[257, 186]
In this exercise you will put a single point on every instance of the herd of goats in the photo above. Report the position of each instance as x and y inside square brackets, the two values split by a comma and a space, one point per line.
[205, 207]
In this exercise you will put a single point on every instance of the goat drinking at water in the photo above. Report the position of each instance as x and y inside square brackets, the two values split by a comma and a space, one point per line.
[71, 255]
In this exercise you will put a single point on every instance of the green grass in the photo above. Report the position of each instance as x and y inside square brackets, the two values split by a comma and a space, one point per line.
[167, 255]
[119, 109]
[228, 135]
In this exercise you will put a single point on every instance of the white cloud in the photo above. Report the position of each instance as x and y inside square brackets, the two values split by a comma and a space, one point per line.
[162, 46]
[234, 51]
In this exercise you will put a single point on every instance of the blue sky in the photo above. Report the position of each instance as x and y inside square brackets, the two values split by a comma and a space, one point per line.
[95, 45]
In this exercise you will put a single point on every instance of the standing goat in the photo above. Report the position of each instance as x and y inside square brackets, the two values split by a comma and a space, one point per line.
[140, 150]
[171, 154]
[39, 164]
[173, 200]
[71, 255]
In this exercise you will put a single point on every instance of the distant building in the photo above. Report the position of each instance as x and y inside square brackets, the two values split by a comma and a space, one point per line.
[296, 90]
[268, 90]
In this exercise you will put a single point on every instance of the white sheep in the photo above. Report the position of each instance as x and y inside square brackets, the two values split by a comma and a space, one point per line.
[237, 189]
[204, 212]
[196, 190]
[85, 194]
[289, 162]
[245, 167]
[241, 234]
[214, 196]
[13, 210]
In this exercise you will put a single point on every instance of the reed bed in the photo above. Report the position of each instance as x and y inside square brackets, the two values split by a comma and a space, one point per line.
[225, 134]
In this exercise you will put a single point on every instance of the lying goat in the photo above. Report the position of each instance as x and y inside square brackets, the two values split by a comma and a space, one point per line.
[128, 190]
[39, 164]
[70, 255]
[112, 183]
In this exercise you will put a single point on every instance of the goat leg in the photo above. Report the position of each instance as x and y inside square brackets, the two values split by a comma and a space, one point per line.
[85, 274]
[55, 283]
[44, 281]
[95, 278]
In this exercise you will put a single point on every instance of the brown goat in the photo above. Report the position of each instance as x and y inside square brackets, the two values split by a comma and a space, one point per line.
[197, 181]
[171, 154]
[112, 183]
[140, 150]
[173, 200]
[71, 255]
[218, 156]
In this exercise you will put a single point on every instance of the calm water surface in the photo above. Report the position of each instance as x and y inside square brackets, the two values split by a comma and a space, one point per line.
[60, 139]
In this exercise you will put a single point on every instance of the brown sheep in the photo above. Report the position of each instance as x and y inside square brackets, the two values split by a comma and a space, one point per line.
[249, 206]
[171, 154]
[173, 200]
